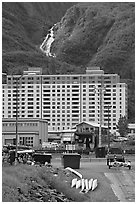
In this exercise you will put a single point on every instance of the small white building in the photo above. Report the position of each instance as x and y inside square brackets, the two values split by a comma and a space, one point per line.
[131, 130]
[67, 135]
[31, 132]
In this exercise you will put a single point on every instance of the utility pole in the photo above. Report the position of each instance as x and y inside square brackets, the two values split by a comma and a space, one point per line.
[80, 119]
[109, 107]
[17, 93]
[101, 91]
[100, 116]
[16, 154]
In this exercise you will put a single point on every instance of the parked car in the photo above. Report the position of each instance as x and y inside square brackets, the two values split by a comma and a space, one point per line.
[54, 144]
[115, 154]
[46, 145]
[121, 139]
[50, 145]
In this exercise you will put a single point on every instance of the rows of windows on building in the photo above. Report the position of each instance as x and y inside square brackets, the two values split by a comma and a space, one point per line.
[66, 100]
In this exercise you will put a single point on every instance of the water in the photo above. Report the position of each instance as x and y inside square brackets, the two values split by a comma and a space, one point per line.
[47, 43]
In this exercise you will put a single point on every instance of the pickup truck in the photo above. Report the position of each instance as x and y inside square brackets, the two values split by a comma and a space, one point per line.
[115, 154]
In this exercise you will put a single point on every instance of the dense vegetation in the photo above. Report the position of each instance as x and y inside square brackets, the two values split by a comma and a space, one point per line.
[88, 34]
[24, 27]
[101, 34]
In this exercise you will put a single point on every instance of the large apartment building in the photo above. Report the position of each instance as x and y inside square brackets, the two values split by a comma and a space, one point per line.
[66, 100]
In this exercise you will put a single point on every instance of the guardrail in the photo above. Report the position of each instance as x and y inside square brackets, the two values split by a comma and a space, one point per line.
[63, 151]
[86, 152]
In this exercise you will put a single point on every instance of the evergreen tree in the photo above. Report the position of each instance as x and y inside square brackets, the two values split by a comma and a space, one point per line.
[122, 126]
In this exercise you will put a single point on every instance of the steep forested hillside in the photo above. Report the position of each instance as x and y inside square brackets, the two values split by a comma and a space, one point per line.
[101, 34]
[24, 26]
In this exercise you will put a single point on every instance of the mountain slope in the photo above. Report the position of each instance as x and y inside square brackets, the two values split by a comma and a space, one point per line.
[100, 34]
[24, 26]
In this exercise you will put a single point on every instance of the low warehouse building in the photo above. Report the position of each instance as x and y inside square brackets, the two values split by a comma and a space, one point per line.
[31, 132]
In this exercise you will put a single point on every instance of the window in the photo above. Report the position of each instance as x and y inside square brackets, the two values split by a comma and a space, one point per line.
[91, 115]
[91, 107]
[107, 98]
[30, 99]
[30, 116]
[31, 90]
[75, 111]
[75, 115]
[75, 103]
[26, 141]
[75, 90]
[47, 90]
[46, 99]
[30, 107]
[29, 103]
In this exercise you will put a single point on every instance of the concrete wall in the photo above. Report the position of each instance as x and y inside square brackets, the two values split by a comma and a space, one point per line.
[43, 131]
[38, 129]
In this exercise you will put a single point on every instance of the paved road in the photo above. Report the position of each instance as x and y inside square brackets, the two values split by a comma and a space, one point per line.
[123, 185]
[115, 184]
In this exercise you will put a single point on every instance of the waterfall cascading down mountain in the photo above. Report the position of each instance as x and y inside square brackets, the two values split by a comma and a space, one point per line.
[46, 45]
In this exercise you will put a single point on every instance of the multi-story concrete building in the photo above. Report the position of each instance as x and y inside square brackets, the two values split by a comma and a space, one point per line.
[66, 100]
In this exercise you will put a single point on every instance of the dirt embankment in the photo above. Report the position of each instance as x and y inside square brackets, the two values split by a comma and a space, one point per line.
[23, 183]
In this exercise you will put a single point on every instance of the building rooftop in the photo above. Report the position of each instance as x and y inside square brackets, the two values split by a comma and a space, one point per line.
[23, 120]
[92, 124]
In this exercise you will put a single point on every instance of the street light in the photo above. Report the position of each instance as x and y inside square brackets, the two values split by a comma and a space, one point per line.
[109, 107]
